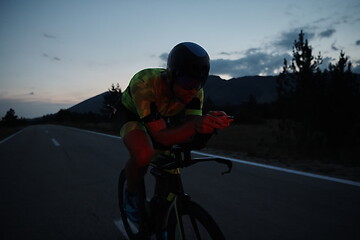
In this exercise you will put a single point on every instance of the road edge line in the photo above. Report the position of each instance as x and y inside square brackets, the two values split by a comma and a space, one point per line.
[93, 132]
[297, 172]
[11, 136]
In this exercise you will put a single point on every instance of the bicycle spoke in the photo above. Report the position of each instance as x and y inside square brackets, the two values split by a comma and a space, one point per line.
[193, 222]
[181, 228]
[195, 227]
[133, 226]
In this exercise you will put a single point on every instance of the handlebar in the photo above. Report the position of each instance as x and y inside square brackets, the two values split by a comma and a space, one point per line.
[181, 158]
[228, 163]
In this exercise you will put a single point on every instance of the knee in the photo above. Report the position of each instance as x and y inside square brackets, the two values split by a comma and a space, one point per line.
[143, 156]
[140, 147]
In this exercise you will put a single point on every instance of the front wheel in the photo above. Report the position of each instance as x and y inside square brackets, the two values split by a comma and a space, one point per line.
[131, 228]
[191, 221]
[135, 231]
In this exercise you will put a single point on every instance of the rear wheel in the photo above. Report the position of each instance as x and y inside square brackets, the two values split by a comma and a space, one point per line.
[191, 221]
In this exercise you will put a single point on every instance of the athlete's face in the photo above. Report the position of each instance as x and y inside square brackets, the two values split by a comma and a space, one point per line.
[185, 96]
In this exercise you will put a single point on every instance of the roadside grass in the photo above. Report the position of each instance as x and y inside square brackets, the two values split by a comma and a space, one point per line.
[8, 131]
[267, 144]
[261, 140]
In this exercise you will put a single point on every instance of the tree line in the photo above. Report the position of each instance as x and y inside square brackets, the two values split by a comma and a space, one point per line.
[319, 108]
[11, 119]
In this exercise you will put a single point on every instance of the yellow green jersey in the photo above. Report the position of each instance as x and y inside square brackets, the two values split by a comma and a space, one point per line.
[147, 96]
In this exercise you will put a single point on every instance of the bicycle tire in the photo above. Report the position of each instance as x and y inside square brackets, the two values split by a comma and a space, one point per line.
[200, 220]
[132, 229]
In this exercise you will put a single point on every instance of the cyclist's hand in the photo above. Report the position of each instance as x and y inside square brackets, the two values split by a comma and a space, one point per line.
[204, 124]
[212, 120]
[225, 120]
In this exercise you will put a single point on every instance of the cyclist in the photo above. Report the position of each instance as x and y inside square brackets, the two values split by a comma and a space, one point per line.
[154, 95]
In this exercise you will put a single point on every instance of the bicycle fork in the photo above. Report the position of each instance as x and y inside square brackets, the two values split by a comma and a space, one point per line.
[176, 206]
[170, 183]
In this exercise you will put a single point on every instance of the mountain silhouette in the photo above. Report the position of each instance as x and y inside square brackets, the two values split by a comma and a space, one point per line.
[237, 90]
[93, 105]
[222, 92]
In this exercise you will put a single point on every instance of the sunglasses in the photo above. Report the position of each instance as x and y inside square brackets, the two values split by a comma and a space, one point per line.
[188, 83]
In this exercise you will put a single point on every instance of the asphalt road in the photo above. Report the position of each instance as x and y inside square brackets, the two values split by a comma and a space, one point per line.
[60, 183]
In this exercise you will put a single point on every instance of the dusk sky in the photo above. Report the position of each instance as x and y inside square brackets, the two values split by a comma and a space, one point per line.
[55, 54]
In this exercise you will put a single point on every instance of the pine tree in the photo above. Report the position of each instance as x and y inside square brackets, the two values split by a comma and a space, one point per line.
[299, 85]
[10, 116]
[342, 96]
[112, 100]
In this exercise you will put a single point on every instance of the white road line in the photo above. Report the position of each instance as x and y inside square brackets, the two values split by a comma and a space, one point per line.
[333, 179]
[11, 136]
[56, 143]
[97, 133]
[338, 180]
[119, 224]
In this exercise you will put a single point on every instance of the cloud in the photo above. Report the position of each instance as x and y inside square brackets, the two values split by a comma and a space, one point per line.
[327, 33]
[49, 36]
[254, 63]
[325, 62]
[53, 58]
[321, 20]
[333, 47]
[356, 66]
[357, 42]
[164, 56]
[252, 51]
[268, 60]
[231, 53]
[286, 39]
[226, 53]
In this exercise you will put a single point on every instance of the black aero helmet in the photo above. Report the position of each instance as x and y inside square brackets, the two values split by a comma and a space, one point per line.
[188, 65]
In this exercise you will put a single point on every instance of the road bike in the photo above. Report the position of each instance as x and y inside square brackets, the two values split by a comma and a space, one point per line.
[170, 213]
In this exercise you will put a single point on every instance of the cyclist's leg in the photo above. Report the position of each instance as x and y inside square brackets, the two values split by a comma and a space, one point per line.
[139, 145]
[140, 148]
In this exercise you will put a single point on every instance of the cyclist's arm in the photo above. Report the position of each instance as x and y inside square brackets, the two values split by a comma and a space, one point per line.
[180, 134]
[170, 136]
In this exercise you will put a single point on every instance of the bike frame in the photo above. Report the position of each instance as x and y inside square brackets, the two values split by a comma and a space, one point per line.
[169, 186]
[169, 202]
